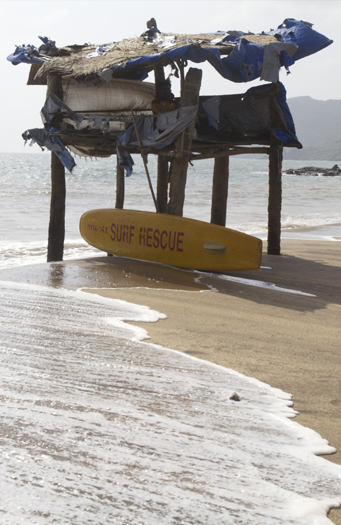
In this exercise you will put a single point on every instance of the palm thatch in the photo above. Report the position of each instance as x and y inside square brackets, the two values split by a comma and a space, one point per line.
[74, 60]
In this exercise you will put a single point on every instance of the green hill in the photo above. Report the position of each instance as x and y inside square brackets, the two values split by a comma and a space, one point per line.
[318, 128]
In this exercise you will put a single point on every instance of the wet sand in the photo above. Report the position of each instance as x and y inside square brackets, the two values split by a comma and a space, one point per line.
[291, 341]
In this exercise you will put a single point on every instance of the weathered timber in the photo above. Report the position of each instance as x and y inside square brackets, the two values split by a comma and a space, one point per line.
[162, 164]
[220, 190]
[55, 247]
[189, 97]
[275, 182]
[56, 235]
[275, 199]
[181, 66]
[119, 186]
[159, 75]
[162, 183]
[221, 152]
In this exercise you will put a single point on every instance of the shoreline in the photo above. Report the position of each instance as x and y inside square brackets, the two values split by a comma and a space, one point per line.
[290, 341]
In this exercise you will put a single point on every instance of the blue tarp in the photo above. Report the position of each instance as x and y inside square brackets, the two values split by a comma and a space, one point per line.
[250, 115]
[243, 64]
[44, 138]
[31, 54]
[302, 35]
[161, 130]
[154, 132]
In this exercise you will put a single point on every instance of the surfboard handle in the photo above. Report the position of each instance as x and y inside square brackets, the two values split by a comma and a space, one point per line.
[214, 247]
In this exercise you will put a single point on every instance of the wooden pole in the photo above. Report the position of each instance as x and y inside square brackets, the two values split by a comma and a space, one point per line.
[162, 183]
[162, 163]
[55, 248]
[220, 190]
[275, 198]
[119, 186]
[275, 182]
[189, 97]
[56, 236]
[159, 75]
[181, 67]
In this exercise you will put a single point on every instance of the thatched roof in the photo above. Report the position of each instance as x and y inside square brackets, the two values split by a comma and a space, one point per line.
[74, 60]
[237, 56]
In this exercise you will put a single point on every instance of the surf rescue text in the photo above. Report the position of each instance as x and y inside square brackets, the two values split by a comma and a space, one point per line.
[144, 236]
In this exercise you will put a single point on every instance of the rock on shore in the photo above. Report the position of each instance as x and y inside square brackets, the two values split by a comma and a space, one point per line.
[311, 170]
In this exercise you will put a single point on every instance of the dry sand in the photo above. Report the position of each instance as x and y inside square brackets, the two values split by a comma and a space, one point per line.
[288, 340]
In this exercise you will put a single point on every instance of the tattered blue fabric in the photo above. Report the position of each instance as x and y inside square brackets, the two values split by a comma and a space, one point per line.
[154, 132]
[44, 138]
[307, 40]
[26, 55]
[243, 64]
[52, 106]
[287, 136]
[31, 54]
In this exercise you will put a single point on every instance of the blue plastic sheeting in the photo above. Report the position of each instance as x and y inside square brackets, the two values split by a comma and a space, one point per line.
[243, 64]
[44, 139]
[32, 55]
[52, 106]
[154, 132]
[26, 55]
[287, 136]
[302, 35]
[44, 136]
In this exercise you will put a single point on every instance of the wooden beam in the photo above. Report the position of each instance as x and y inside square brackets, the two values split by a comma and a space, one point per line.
[275, 199]
[56, 235]
[220, 190]
[228, 152]
[119, 186]
[189, 97]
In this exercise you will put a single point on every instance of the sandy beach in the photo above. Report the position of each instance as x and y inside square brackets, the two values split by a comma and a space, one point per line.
[281, 327]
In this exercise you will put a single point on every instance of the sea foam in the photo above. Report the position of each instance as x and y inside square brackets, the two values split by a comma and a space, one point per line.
[101, 427]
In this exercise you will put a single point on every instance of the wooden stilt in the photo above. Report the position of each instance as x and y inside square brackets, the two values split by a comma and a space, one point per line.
[159, 75]
[220, 190]
[56, 236]
[55, 248]
[119, 186]
[162, 183]
[189, 97]
[275, 199]
[162, 165]
[275, 181]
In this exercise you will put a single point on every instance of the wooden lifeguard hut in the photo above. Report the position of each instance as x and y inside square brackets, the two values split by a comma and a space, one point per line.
[98, 104]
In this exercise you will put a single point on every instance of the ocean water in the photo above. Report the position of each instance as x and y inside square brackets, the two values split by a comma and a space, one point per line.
[311, 205]
[100, 427]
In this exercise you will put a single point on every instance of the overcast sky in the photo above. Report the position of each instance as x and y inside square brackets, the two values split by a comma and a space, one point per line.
[99, 22]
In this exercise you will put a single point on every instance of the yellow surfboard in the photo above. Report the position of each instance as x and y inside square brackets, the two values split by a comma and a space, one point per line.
[169, 239]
